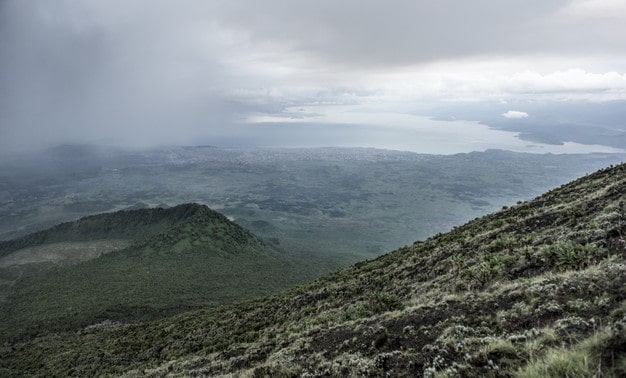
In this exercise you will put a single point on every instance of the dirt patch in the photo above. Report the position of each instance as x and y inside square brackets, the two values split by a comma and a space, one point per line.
[64, 253]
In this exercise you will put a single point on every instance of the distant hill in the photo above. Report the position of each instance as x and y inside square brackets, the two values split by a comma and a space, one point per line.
[535, 290]
[131, 225]
[132, 265]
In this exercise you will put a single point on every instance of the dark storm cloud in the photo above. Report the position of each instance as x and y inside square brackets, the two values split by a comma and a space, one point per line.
[401, 32]
[126, 74]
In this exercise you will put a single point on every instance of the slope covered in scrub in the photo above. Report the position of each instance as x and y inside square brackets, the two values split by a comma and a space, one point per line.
[537, 289]
[134, 265]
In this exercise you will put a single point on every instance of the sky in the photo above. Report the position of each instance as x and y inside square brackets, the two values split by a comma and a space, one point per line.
[427, 76]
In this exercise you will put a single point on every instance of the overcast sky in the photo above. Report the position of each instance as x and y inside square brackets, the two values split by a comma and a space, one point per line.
[147, 72]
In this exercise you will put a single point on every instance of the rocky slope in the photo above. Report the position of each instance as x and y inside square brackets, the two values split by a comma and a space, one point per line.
[537, 289]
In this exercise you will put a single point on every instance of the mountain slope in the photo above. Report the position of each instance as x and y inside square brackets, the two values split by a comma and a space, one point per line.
[168, 260]
[538, 289]
[132, 225]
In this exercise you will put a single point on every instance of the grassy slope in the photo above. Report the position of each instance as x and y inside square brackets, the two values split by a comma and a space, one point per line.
[534, 290]
[182, 258]
[134, 225]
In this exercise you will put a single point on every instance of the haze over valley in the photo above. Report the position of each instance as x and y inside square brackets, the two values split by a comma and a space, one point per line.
[297, 188]
[328, 206]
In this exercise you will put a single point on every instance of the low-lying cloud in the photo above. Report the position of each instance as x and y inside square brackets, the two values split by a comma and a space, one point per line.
[515, 114]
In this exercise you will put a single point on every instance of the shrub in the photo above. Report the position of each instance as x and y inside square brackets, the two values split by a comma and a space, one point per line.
[487, 270]
[571, 255]
[382, 302]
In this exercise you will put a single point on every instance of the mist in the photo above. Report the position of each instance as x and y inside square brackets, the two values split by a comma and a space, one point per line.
[152, 73]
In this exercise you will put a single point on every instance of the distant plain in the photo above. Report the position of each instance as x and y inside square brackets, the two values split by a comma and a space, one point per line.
[328, 207]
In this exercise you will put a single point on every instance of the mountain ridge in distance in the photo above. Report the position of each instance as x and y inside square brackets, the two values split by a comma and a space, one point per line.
[122, 224]
[151, 262]
[537, 289]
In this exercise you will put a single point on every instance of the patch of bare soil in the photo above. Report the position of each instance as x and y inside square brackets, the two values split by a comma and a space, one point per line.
[63, 253]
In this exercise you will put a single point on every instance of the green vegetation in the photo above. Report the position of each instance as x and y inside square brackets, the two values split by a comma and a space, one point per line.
[182, 258]
[331, 207]
[601, 354]
[571, 255]
[545, 297]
